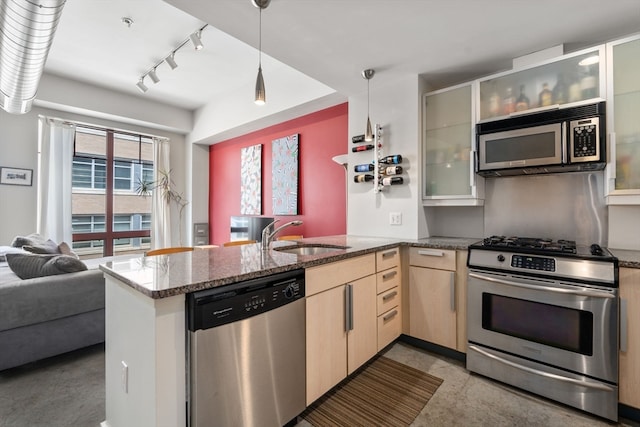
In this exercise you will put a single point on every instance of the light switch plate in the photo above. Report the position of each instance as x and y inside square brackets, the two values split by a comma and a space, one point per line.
[395, 218]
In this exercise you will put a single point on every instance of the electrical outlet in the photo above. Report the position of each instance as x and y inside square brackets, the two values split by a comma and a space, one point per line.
[395, 218]
[124, 376]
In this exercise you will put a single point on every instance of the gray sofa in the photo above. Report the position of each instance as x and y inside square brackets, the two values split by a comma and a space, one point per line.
[46, 316]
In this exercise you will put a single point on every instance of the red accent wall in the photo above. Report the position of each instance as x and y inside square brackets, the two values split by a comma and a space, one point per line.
[321, 188]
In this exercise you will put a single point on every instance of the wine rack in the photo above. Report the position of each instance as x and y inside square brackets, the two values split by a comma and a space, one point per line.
[373, 172]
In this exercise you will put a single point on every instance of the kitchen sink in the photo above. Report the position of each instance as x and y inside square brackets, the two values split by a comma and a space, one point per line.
[310, 249]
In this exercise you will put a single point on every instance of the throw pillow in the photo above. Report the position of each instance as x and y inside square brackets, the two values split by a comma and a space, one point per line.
[30, 266]
[48, 247]
[31, 239]
[65, 249]
[9, 250]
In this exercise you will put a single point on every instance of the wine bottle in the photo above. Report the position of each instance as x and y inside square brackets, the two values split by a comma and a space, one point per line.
[522, 103]
[395, 159]
[544, 97]
[357, 139]
[391, 170]
[362, 148]
[367, 167]
[392, 180]
[363, 178]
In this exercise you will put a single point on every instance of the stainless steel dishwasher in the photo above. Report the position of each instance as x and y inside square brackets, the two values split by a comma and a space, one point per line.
[246, 345]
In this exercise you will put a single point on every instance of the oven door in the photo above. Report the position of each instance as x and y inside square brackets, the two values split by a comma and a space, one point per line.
[562, 324]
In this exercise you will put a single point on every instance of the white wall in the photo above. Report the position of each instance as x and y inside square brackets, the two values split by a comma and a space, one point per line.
[624, 227]
[396, 106]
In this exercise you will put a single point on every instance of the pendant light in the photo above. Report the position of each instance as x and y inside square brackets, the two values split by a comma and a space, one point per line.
[261, 96]
[368, 74]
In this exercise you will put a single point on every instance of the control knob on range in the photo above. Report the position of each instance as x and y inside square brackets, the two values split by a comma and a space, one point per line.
[289, 292]
[501, 258]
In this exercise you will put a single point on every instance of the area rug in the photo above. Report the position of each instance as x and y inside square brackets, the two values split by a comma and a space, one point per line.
[383, 393]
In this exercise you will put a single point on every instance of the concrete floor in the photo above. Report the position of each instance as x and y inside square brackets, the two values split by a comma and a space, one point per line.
[68, 391]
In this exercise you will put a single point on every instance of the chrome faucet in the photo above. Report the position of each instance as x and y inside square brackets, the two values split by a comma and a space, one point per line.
[267, 234]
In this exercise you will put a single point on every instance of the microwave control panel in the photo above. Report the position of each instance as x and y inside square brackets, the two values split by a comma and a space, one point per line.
[585, 140]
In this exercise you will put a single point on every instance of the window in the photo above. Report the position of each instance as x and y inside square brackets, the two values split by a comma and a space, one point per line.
[108, 216]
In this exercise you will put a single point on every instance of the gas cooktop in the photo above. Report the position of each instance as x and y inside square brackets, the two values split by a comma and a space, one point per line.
[542, 246]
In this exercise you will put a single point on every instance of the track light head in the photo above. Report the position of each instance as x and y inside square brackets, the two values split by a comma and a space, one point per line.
[143, 87]
[196, 40]
[154, 77]
[170, 60]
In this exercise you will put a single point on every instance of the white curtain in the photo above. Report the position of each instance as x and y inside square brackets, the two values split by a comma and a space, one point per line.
[55, 161]
[161, 210]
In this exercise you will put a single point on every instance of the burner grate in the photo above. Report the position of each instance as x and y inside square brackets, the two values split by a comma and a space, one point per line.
[538, 244]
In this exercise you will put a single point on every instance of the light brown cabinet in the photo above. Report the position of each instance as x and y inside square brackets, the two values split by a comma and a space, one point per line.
[341, 321]
[630, 337]
[437, 297]
[388, 288]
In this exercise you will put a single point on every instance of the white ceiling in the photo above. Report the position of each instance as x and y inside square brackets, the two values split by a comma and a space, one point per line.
[331, 41]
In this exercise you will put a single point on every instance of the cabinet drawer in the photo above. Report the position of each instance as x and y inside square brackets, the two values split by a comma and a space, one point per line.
[441, 259]
[389, 327]
[388, 279]
[389, 299]
[387, 259]
[330, 275]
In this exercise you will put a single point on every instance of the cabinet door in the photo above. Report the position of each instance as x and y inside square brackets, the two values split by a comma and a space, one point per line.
[432, 315]
[326, 341]
[630, 338]
[363, 338]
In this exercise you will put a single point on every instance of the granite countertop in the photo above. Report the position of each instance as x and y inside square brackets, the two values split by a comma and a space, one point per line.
[627, 258]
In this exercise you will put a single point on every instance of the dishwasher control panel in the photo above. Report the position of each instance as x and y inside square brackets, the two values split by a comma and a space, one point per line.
[219, 306]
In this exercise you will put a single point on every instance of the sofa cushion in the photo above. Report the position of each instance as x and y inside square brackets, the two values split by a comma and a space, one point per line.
[31, 239]
[9, 250]
[47, 247]
[31, 266]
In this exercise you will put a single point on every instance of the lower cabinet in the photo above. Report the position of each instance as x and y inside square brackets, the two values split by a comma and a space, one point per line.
[389, 299]
[630, 337]
[341, 321]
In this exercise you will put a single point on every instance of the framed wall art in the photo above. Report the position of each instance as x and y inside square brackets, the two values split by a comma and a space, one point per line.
[14, 176]
[251, 180]
[284, 175]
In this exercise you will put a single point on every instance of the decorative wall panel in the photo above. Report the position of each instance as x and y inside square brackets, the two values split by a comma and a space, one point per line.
[251, 180]
[284, 175]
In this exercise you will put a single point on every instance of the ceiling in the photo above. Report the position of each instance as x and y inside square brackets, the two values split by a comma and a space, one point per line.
[330, 41]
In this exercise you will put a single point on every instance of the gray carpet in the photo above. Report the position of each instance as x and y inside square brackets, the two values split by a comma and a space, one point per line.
[62, 391]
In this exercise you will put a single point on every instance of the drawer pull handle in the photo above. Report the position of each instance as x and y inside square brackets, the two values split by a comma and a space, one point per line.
[390, 315]
[427, 252]
[389, 275]
[389, 253]
[389, 295]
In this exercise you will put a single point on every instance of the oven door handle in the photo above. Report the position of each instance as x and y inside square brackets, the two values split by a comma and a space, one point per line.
[586, 384]
[596, 294]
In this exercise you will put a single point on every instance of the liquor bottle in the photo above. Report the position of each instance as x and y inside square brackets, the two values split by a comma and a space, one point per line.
[508, 102]
[522, 103]
[363, 168]
[389, 160]
[545, 96]
[392, 180]
[559, 93]
[362, 148]
[391, 170]
[363, 178]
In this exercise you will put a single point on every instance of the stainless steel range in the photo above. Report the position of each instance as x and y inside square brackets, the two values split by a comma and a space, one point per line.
[543, 316]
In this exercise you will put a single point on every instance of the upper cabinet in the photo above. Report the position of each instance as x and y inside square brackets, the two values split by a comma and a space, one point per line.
[448, 148]
[623, 121]
[572, 78]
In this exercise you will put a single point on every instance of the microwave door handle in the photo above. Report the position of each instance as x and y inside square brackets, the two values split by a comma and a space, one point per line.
[564, 143]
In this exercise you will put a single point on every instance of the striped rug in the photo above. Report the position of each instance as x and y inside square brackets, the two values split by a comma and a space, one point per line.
[383, 393]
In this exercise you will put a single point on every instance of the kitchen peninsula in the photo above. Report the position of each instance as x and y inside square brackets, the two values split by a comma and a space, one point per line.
[145, 348]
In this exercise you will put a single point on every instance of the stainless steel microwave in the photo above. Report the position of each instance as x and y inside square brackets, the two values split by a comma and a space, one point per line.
[560, 140]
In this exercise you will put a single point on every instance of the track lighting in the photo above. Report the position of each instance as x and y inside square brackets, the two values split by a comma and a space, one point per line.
[195, 39]
[154, 77]
[261, 95]
[171, 62]
[368, 74]
[170, 58]
[143, 87]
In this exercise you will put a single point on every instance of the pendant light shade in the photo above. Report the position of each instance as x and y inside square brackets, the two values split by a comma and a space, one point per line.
[261, 94]
[368, 134]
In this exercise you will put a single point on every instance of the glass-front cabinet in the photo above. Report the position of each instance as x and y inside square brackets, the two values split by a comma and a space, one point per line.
[623, 121]
[571, 79]
[448, 148]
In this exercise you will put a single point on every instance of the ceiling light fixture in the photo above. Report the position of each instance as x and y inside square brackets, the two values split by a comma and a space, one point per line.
[196, 40]
[261, 94]
[170, 58]
[143, 87]
[368, 74]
